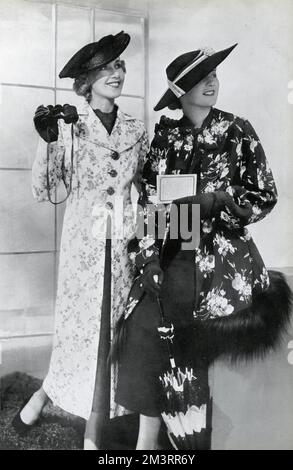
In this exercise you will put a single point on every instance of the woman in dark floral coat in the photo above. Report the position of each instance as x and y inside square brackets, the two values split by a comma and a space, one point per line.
[221, 289]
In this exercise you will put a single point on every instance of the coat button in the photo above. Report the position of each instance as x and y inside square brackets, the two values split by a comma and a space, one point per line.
[113, 173]
[110, 191]
[109, 205]
[115, 155]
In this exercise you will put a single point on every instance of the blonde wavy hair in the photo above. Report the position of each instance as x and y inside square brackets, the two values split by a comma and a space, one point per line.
[83, 86]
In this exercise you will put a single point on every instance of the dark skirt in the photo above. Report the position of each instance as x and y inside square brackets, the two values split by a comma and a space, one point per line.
[101, 399]
[145, 356]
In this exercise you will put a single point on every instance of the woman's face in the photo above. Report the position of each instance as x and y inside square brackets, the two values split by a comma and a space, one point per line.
[107, 81]
[204, 93]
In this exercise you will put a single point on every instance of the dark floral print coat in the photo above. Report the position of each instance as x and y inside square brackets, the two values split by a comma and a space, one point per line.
[226, 153]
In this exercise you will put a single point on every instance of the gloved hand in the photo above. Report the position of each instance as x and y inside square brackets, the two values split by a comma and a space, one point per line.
[205, 200]
[223, 199]
[70, 114]
[46, 119]
[212, 203]
[152, 278]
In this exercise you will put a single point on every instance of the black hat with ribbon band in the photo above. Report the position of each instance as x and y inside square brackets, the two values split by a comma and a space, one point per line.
[189, 69]
[95, 54]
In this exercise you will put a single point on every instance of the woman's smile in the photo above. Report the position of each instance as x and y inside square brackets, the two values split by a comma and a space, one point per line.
[115, 83]
[209, 93]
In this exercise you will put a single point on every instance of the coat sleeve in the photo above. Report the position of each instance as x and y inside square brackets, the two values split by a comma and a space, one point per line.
[145, 246]
[39, 168]
[257, 185]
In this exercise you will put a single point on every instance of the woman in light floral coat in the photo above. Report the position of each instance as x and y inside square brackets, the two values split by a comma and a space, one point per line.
[95, 272]
[220, 296]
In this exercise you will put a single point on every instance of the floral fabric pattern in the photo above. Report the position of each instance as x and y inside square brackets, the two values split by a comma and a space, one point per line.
[214, 304]
[71, 378]
[227, 155]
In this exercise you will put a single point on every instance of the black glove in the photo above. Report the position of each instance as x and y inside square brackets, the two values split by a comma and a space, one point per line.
[212, 203]
[69, 114]
[243, 210]
[46, 119]
[148, 282]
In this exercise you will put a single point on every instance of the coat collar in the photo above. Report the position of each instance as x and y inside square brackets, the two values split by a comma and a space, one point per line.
[209, 136]
[185, 123]
[85, 109]
[90, 128]
[187, 145]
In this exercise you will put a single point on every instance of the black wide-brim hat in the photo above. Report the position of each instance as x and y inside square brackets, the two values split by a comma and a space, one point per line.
[95, 54]
[189, 69]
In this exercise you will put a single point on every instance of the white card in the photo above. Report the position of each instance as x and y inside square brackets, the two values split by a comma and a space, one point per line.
[170, 187]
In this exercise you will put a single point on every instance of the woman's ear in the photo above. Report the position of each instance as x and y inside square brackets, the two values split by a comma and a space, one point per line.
[123, 66]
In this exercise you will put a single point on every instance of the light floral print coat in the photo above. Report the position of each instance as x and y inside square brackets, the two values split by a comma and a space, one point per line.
[104, 168]
[226, 154]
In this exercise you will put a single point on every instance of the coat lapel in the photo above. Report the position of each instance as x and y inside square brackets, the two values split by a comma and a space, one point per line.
[90, 127]
[125, 134]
